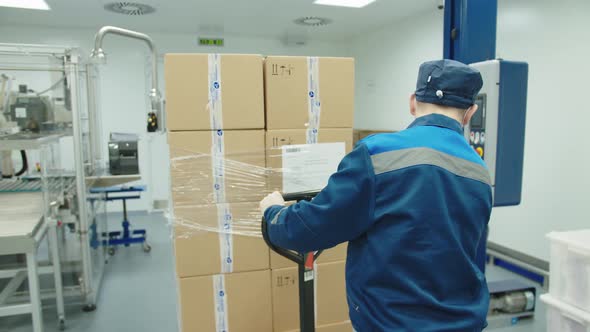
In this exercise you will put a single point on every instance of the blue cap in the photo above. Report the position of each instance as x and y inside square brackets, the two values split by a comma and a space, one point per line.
[448, 83]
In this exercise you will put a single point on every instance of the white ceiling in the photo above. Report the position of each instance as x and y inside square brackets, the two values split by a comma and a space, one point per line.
[269, 18]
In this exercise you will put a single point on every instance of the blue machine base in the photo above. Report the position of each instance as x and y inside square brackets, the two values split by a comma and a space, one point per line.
[518, 270]
[125, 237]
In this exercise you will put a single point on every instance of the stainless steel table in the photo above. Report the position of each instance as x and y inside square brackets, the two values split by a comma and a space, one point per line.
[22, 228]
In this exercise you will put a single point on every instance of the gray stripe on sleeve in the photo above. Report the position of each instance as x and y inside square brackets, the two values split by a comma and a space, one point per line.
[276, 218]
[398, 159]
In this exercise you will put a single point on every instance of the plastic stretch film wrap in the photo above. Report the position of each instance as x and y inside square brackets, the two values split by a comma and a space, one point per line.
[199, 179]
[206, 199]
[221, 193]
[218, 193]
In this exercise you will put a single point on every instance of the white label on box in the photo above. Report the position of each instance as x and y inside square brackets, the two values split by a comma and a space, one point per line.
[308, 167]
[308, 275]
[220, 296]
[226, 240]
[20, 112]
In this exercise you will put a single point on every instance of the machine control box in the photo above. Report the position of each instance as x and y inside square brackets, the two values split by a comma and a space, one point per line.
[123, 158]
[477, 135]
[496, 131]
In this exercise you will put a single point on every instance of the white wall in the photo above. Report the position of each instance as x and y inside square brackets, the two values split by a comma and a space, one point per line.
[553, 38]
[124, 83]
[387, 63]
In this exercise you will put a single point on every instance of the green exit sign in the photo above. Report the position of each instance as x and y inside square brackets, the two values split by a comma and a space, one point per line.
[211, 41]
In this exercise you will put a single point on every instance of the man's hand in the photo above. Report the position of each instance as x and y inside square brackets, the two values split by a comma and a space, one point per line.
[273, 199]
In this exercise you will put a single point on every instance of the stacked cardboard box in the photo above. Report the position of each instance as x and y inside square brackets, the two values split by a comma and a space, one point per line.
[188, 91]
[215, 120]
[192, 170]
[308, 100]
[219, 172]
[292, 83]
[360, 134]
[330, 296]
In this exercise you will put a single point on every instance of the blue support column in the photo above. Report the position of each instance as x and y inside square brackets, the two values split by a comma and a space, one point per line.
[470, 30]
[470, 36]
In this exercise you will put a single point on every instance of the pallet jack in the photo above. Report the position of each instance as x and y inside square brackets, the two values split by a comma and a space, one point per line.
[305, 263]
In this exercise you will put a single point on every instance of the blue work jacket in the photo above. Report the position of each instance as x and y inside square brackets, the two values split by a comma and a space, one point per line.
[414, 206]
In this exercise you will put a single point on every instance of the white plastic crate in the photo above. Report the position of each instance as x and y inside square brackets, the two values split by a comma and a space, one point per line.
[562, 317]
[570, 268]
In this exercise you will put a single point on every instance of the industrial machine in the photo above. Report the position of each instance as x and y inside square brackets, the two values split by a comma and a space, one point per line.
[57, 101]
[30, 112]
[510, 301]
[6, 128]
[35, 115]
[496, 131]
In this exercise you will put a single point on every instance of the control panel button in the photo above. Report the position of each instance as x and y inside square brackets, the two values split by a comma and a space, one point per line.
[479, 151]
[476, 141]
[482, 138]
[472, 137]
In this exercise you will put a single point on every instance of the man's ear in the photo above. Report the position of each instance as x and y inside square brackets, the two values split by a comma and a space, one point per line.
[413, 104]
[469, 114]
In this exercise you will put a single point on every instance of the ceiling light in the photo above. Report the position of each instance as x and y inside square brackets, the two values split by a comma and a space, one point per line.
[345, 3]
[313, 21]
[26, 4]
[129, 8]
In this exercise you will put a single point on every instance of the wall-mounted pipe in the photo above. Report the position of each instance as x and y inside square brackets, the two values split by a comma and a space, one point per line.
[99, 54]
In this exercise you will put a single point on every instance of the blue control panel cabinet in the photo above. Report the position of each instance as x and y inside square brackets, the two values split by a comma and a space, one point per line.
[497, 130]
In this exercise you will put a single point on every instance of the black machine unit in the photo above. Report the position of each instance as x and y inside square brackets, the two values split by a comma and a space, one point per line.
[510, 302]
[123, 158]
[29, 113]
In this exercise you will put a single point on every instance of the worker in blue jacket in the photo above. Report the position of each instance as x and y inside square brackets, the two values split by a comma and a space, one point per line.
[414, 206]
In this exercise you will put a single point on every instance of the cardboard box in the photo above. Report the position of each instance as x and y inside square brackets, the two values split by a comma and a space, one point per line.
[244, 300]
[192, 175]
[275, 139]
[337, 327]
[335, 254]
[331, 303]
[187, 91]
[287, 92]
[359, 134]
[205, 246]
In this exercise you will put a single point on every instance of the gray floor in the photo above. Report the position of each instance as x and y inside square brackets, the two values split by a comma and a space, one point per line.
[139, 291]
